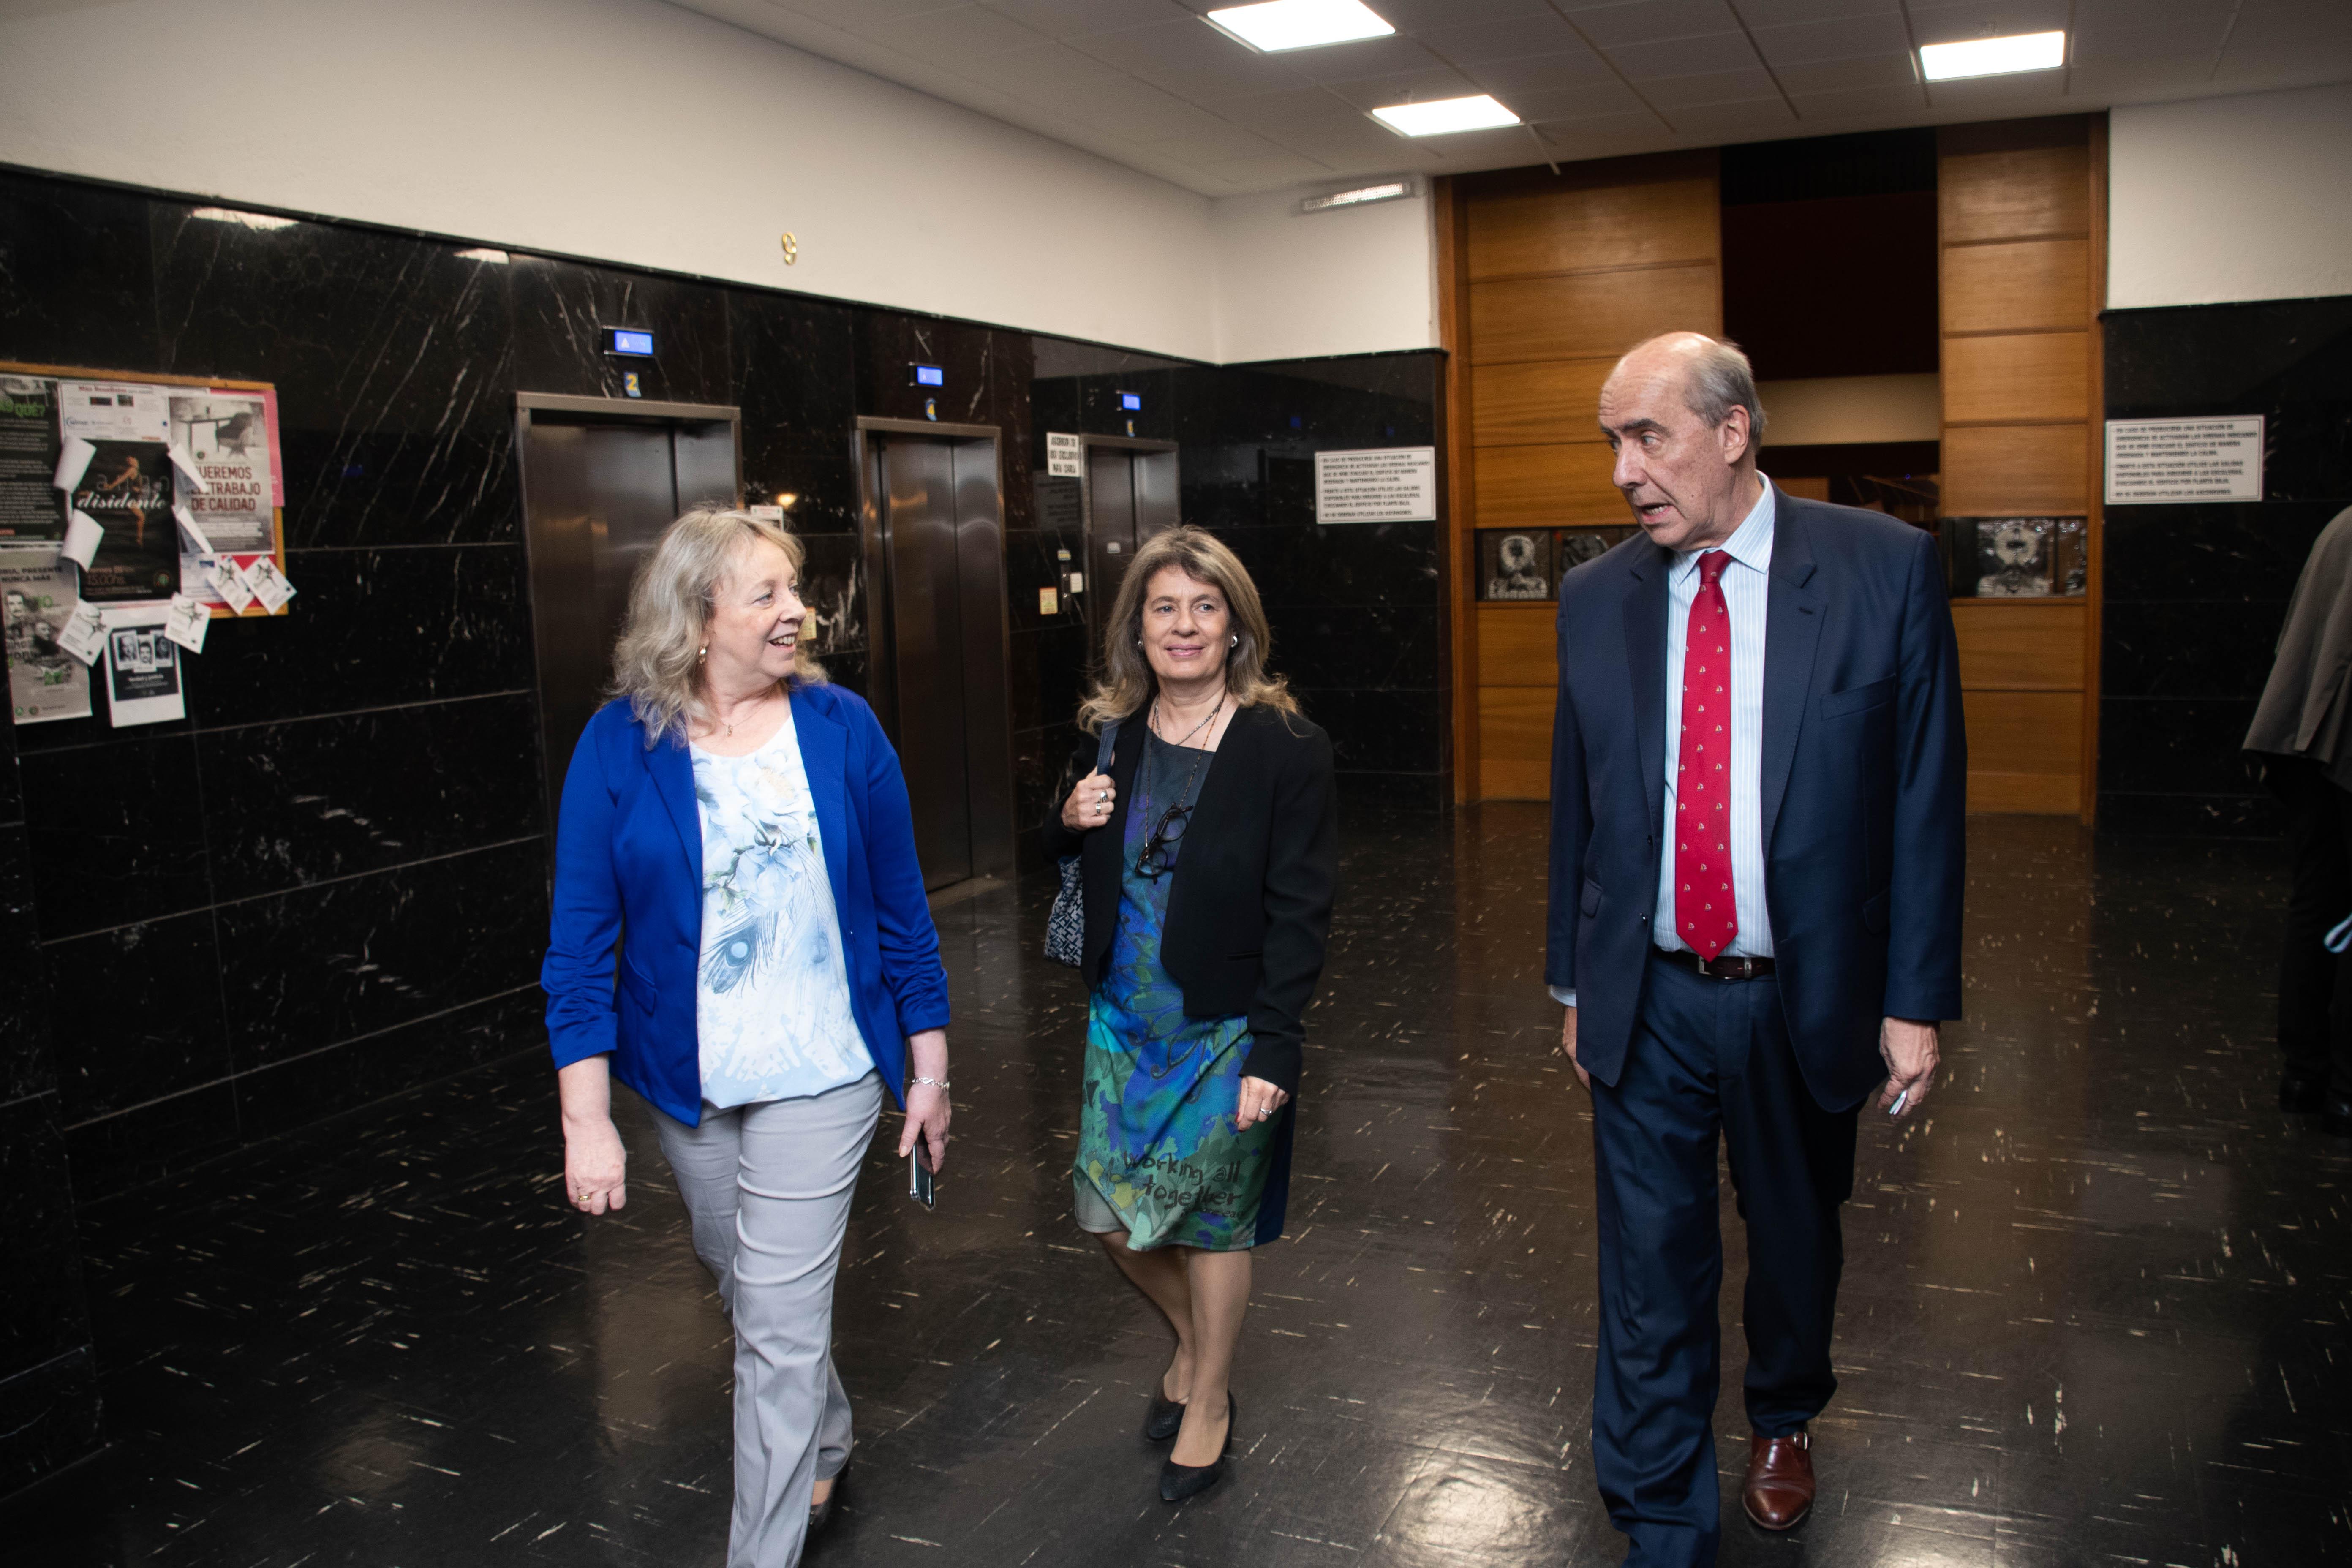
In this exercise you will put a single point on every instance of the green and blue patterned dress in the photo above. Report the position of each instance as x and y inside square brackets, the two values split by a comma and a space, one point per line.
[1158, 1147]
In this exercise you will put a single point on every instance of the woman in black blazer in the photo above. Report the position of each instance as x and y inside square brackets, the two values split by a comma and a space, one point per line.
[1209, 850]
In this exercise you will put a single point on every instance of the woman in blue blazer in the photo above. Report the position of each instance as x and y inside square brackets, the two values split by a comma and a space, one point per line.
[739, 831]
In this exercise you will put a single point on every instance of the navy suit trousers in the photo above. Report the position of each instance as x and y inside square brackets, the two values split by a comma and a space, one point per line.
[1707, 1057]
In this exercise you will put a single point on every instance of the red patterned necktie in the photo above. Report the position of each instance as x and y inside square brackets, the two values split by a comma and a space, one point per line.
[1706, 916]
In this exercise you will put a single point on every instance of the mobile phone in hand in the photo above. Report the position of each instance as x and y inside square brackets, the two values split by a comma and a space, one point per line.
[919, 1179]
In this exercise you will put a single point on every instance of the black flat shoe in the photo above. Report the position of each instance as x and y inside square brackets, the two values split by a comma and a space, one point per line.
[821, 1514]
[1167, 1416]
[2303, 1094]
[1178, 1482]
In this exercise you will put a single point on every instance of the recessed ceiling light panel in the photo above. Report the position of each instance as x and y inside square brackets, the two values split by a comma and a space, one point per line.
[1992, 57]
[1299, 23]
[1446, 115]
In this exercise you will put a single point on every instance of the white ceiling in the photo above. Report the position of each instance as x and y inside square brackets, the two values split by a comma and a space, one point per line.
[1147, 84]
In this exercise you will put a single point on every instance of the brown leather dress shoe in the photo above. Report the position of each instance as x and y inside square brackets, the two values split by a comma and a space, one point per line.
[1780, 1489]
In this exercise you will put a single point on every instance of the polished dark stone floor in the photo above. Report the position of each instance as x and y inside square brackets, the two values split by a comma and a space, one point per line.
[2096, 1307]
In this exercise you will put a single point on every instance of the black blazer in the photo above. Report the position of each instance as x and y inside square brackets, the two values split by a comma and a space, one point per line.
[1250, 909]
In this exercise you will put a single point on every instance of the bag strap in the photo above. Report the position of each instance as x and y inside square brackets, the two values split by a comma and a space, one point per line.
[1103, 751]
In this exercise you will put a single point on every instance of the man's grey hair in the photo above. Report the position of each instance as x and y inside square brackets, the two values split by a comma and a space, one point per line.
[1721, 380]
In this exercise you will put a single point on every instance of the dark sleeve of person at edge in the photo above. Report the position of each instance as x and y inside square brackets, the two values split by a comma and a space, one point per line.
[1250, 912]
[2300, 746]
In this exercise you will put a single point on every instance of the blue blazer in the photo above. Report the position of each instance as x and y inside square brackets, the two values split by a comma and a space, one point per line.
[628, 871]
[1864, 777]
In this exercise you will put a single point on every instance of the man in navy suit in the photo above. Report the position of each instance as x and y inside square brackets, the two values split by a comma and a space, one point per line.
[1758, 777]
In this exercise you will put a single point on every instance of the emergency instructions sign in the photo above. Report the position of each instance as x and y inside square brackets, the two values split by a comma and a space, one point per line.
[1377, 484]
[2156, 460]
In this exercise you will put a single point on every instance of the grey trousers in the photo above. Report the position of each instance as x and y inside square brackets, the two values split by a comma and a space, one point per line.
[768, 1188]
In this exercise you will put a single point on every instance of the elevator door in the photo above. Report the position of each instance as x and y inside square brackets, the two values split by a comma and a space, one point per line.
[598, 490]
[1130, 496]
[938, 674]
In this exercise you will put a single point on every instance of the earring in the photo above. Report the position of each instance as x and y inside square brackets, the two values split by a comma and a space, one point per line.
[702, 652]
[1237, 639]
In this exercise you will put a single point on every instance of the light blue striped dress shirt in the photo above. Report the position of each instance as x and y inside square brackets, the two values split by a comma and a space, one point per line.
[1747, 594]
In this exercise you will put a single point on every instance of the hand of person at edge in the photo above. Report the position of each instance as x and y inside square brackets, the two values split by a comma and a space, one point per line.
[1089, 803]
[1259, 1100]
[927, 1104]
[1908, 1048]
[1568, 1043]
[595, 1166]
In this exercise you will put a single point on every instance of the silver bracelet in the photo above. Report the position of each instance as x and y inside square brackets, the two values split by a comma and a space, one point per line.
[938, 1083]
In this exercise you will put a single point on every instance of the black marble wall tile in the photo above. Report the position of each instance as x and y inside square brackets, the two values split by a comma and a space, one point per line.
[888, 342]
[371, 628]
[304, 1089]
[2163, 647]
[27, 1065]
[1047, 674]
[1385, 563]
[794, 377]
[286, 808]
[561, 307]
[2282, 359]
[43, 1313]
[2250, 551]
[317, 965]
[823, 485]
[389, 357]
[833, 585]
[1380, 731]
[1363, 647]
[76, 283]
[2164, 745]
[2195, 593]
[1012, 370]
[116, 831]
[142, 1004]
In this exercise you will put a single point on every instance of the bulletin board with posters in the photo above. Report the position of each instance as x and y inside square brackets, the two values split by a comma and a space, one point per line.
[134, 510]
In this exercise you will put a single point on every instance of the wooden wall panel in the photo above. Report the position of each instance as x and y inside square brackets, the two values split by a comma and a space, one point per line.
[2027, 376]
[2024, 731]
[1544, 231]
[2016, 286]
[2012, 470]
[2019, 645]
[1589, 315]
[1515, 741]
[2030, 794]
[2010, 193]
[1539, 401]
[1518, 645]
[1547, 487]
[1555, 274]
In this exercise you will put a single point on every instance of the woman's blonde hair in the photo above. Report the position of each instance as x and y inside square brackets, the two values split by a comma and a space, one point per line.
[657, 663]
[1126, 682]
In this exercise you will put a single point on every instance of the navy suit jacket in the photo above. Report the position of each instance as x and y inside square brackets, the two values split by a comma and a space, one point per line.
[1863, 787]
[628, 869]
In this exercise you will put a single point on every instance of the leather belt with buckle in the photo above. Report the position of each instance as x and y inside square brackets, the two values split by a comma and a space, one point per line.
[1725, 968]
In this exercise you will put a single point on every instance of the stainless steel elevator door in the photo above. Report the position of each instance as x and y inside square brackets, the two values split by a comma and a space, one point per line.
[1130, 496]
[597, 494]
[936, 550]
[927, 645]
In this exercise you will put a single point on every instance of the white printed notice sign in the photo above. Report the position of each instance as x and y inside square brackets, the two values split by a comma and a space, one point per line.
[1377, 484]
[2156, 460]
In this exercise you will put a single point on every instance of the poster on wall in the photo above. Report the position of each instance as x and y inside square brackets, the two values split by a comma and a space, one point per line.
[2161, 460]
[1515, 563]
[118, 435]
[226, 434]
[1377, 484]
[37, 594]
[30, 505]
[143, 667]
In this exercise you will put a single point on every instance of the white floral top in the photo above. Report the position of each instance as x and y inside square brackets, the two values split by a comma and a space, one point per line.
[772, 997]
